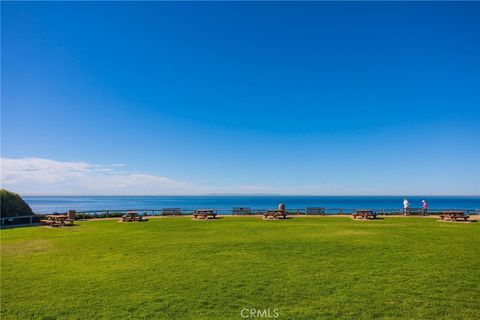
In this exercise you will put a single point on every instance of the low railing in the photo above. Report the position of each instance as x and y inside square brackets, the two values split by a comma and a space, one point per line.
[20, 220]
[224, 211]
[96, 214]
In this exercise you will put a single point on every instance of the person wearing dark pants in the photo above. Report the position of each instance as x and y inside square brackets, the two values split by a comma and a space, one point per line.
[424, 208]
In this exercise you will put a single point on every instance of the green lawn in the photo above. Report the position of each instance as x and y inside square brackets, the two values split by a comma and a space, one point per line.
[307, 268]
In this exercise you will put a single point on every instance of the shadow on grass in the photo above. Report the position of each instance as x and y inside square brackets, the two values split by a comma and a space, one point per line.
[277, 219]
[59, 227]
[376, 219]
[459, 222]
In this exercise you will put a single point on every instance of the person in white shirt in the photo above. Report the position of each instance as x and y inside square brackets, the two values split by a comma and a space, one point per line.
[405, 206]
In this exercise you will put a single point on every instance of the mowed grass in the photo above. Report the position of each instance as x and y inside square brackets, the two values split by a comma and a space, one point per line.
[307, 268]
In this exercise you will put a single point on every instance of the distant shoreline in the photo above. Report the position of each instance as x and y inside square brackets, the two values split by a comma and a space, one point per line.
[248, 195]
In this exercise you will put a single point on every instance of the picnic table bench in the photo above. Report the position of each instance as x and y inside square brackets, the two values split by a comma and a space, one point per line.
[275, 214]
[49, 222]
[57, 220]
[204, 213]
[69, 222]
[364, 214]
[453, 215]
[171, 212]
[132, 216]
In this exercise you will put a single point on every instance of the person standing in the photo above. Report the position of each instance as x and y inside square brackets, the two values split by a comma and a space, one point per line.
[424, 207]
[405, 206]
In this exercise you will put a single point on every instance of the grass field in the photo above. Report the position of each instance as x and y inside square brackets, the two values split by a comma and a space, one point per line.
[307, 268]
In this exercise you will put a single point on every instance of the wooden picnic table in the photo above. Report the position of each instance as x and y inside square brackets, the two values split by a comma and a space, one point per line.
[275, 214]
[204, 213]
[132, 216]
[453, 215]
[56, 220]
[129, 216]
[364, 214]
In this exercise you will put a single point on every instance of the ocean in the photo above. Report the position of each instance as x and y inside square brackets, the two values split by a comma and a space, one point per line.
[51, 204]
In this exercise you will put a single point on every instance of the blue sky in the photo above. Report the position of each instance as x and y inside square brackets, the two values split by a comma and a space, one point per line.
[259, 97]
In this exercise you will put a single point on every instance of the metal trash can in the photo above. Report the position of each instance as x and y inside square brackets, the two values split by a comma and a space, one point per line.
[71, 214]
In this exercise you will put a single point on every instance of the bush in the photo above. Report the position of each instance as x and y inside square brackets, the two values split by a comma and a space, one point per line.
[12, 205]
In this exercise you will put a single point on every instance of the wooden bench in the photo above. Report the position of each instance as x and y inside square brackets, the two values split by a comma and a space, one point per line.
[204, 214]
[171, 212]
[242, 210]
[364, 214]
[275, 214]
[413, 211]
[453, 215]
[68, 222]
[315, 211]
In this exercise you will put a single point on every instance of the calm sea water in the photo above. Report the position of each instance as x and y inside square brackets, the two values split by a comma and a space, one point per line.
[50, 204]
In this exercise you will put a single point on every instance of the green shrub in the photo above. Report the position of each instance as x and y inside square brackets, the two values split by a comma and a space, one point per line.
[12, 205]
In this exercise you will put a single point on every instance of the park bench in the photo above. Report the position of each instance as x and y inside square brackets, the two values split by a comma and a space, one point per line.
[68, 222]
[275, 214]
[453, 215]
[240, 211]
[315, 211]
[414, 211]
[364, 214]
[171, 212]
[204, 214]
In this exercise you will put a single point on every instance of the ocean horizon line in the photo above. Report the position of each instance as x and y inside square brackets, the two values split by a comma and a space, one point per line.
[250, 195]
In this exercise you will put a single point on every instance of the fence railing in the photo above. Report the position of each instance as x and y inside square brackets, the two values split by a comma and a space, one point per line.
[7, 221]
[95, 214]
[225, 211]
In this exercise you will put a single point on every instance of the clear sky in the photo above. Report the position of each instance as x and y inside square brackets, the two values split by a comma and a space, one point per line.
[193, 98]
